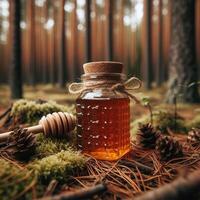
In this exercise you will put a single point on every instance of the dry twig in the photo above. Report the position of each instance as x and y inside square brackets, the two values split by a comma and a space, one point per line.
[184, 188]
[85, 193]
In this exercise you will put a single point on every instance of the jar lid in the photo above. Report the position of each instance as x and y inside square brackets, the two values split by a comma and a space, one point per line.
[103, 67]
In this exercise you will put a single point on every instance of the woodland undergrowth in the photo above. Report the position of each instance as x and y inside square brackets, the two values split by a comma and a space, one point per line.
[57, 166]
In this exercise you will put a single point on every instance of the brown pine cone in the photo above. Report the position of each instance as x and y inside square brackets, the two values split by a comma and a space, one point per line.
[194, 136]
[21, 144]
[147, 136]
[168, 148]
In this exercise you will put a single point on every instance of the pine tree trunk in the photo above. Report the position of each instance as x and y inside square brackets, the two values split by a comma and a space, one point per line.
[62, 65]
[183, 67]
[75, 40]
[15, 69]
[88, 31]
[109, 42]
[44, 36]
[32, 46]
[160, 67]
[148, 71]
[55, 31]
[121, 46]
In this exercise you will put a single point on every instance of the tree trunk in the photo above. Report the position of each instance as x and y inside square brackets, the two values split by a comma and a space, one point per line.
[62, 66]
[32, 46]
[160, 67]
[45, 50]
[55, 31]
[148, 47]
[75, 40]
[109, 42]
[52, 46]
[15, 69]
[183, 67]
[88, 31]
[121, 46]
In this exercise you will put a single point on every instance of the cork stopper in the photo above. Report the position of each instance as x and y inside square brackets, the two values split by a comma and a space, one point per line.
[103, 67]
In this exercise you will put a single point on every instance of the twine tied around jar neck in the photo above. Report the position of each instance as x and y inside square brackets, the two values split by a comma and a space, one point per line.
[132, 84]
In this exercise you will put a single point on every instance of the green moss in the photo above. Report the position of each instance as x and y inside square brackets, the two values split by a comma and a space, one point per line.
[58, 166]
[31, 111]
[54, 159]
[48, 146]
[162, 121]
[13, 181]
[195, 122]
[166, 120]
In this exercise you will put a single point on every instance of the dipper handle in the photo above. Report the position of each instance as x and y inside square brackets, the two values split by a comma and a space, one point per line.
[32, 129]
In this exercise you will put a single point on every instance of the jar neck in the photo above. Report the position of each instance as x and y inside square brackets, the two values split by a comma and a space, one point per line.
[102, 79]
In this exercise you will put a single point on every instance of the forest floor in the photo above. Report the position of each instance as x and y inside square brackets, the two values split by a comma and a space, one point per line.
[61, 96]
[139, 171]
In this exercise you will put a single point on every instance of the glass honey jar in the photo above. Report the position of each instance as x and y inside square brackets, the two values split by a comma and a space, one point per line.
[103, 113]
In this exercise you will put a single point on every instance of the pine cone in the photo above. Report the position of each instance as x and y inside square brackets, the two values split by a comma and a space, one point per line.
[21, 144]
[168, 148]
[147, 136]
[194, 136]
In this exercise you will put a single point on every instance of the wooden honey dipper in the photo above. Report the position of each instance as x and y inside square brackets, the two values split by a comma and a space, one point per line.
[57, 125]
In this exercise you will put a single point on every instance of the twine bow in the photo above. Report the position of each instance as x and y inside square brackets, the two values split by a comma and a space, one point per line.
[131, 84]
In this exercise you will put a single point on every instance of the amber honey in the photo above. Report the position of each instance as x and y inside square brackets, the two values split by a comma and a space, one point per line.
[103, 127]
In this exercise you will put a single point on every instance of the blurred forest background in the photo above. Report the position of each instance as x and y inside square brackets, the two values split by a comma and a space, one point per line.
[47, 41]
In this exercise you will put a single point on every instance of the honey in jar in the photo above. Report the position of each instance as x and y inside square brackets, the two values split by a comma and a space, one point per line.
[103, 114]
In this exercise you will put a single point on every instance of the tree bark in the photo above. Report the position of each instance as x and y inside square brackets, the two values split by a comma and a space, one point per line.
[15, 68]
[75, 40]
[183, 67]
[45, 44]
[160, 67]
[62, 65]
[52, 45]
[55, 31]
[32, 46]
[109, 42]
[148, 47]
[121, 31]
[88, 38]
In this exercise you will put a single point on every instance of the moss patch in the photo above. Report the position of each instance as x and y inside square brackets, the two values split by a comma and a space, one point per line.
[165, 120]
[162, 121]
[32, 111]
[54, 159]
[58, 166]
[49, 146]
[195, 122]
[14, 181]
